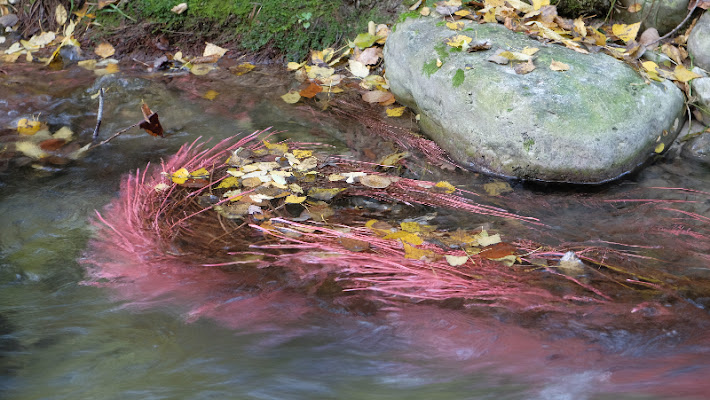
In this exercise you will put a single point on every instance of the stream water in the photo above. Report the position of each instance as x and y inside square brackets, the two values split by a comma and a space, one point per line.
[60, 339]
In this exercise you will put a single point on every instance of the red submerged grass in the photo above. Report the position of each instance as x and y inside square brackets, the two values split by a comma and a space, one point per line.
[191, 226]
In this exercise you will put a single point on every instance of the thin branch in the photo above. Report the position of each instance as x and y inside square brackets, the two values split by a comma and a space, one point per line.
[667, 35]
[99, 115]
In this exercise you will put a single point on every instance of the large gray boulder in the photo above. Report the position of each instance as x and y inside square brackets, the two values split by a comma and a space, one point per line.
[664, 15]
[699, 42]
[590, 124]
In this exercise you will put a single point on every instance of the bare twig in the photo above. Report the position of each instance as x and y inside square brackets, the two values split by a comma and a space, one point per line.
[667, 35]
[99, 115]
[115, 135]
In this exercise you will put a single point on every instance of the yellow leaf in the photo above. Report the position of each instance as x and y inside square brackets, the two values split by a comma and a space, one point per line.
[275, 148]
[27, 127]
[579, 27]
[425, 11]
[626, 32]
[458, 41]
[211, 94]
[180, 176]
[438, 63]
[292, 66]
[462, 13]
[228, 183]
[291, 97]
[201, 69]
[64, 133]
[302, 153]
[558, 66]
[417, 253]
[393, 159]
[293, 199]
[211, 50]
[104, 50]
[649, 66]
[490, 16]
[112, 68]
[529, 50]
[455, 261]
[445, 187]
[659, 148]
[316, 72]
[60, 14]
[406, 237]
[201, 173]
[411, 227]
[537, 4]
[378, 227]
[497, 188]
[87, 64]
[324, 194]
[30, 149]
[683, 74]
[515, 56]
[456, 26]
[395, 111]
[242, 68]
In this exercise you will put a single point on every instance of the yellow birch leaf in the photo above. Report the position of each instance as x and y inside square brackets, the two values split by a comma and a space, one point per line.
[291, 97]
[60, 14]
[27, 127]
[579, 27]
[211, 50]
[406, 237]
[558, 66]
[302, 153]
[228, 183]
[529, 50]
[490, 16]
[683, 74]
[201, 69]
[455, 26]
[201, 173]
[395, 111]
[292, 66]
[416, 253]
[180, 176]
[104, 50]
[411, 227]
[211, 94]
[30, 149]
[275, 148]
[444, 186]
[459, 41]
[112, 68]
[659, 148]
[242, 68]
[462, 13]
[626, 32]
[497, 188]
[293, 199]
[320, 73]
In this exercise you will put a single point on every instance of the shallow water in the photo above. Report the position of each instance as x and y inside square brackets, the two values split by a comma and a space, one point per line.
[60, 339]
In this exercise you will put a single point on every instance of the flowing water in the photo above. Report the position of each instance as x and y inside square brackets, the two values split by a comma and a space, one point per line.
[61, 339]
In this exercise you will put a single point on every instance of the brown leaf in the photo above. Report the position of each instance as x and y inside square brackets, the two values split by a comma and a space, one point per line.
[524, 68]
[151, 124]
[311, 91]
[498, 250]
[378, 96]
[52, 144]
[354, 244]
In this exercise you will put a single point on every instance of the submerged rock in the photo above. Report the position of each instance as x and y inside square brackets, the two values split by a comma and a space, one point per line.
[593, 123]
[699, 42]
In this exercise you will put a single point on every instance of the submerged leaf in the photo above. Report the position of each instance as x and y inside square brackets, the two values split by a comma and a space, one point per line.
[291, 97]
[323, 193]
[376, 181]
[180, 176]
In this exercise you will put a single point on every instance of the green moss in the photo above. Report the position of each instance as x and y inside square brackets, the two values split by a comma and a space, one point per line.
[279, 23]
[458, 78]
[429, 68]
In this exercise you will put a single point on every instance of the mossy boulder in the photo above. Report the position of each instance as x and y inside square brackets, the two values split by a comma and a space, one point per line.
[590, 124]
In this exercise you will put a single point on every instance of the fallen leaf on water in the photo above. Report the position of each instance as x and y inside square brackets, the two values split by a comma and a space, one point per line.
[291, 97]
[417, 253]
[180, 176]
[201, 69]
[497, 188]
[484, 239]
[354, 244]
[626, 32]
[558, 66]
[63, 133]
[375, 181]
[293, 199]
[242, 68]
[28, 127]
[30, 149]
[444, 187]
[393, 159]
[302, 153]
[104, 50]
[151, 123]
[395, 111]
[455, 261]
[292, 66]
[211, 94]
[497, 250]
[311, 91]
[323, 193]
[406, 237]
[659, 148]
[228, 182]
